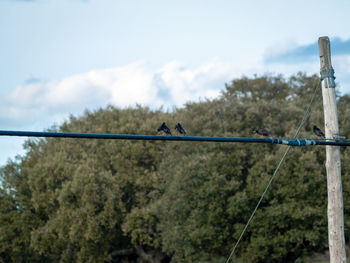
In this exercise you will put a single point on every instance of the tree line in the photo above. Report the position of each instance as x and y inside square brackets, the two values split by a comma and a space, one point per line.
[88, 200]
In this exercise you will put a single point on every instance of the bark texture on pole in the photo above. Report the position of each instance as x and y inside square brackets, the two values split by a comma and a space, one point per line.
[333, 163]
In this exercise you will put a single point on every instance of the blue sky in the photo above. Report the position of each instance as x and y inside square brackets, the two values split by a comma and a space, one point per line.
[60, 57]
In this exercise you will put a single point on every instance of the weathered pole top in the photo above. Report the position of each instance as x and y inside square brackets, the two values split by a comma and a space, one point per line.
[325, 52]
[327, 71]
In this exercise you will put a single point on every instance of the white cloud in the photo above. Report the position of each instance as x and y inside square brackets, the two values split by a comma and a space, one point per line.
[122, 86]
[47, 102]
[184, 84]
[171, 85]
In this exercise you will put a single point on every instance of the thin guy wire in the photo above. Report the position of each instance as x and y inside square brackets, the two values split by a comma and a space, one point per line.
[306, 115]
[261, 198]
[309, 109]
[315, 105]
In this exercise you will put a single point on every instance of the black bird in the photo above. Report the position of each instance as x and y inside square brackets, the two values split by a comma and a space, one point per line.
[164, 128]
[180, 129]
[264, 132]
[318, 132]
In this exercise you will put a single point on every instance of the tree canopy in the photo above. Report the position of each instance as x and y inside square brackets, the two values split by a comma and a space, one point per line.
[88, 200]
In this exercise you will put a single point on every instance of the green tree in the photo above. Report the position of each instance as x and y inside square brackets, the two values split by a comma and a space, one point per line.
[88, 200]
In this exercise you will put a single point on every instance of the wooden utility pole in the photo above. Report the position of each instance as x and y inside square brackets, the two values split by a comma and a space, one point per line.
[333, 164]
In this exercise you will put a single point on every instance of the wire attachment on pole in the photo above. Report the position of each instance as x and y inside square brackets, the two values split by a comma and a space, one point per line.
[329, 75]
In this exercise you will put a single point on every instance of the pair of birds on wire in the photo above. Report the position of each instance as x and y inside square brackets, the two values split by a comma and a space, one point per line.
[167, 131]
[267, 133]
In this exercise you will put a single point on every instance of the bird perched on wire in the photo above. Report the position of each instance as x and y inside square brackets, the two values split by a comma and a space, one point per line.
[180, 129]
[164, 128]
[264, 132]
[318, 132]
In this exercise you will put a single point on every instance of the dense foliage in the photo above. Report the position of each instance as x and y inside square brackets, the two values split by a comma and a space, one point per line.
[80, 200]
